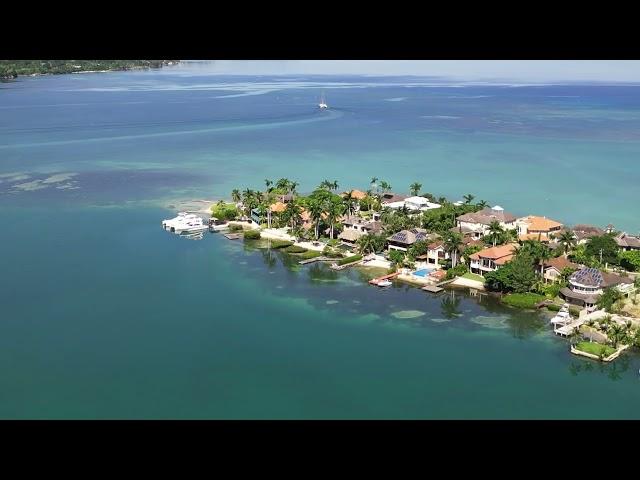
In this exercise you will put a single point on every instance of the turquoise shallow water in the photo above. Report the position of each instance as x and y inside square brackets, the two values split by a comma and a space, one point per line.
[106, 316]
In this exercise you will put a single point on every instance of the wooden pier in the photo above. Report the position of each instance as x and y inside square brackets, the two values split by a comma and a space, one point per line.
[432, 288]
[567, 330]
[375, 281]
[315, 259]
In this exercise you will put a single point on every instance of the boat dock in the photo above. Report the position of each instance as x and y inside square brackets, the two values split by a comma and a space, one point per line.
[315, 259]
[375, 281]
[432, 288]
[233, 236]
[568, 329]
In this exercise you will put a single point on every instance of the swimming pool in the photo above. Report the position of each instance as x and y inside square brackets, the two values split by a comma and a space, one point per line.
[423, 273]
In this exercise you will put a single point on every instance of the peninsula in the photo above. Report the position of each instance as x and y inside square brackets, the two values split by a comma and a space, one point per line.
[12, 68]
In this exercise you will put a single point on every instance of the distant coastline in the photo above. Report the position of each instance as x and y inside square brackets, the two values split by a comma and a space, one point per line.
[10, 69]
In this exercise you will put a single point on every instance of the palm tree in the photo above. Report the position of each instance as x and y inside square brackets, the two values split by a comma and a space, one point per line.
[292, 214]
[326, 185]
[414, 188]
[385, 186]
[348, 202]
[366, 244]
[316, 209]
[495, 229]
[468, 198]
[543, 255]
[334, 185]
[452, 244]
[567, 240]
[335, 209]
[268, 184]
[235, 195]
[293, 186]
[283, 184]
[482, 204]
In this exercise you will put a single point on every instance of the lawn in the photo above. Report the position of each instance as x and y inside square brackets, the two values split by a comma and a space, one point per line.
[523, 300]
[595, 348]
[474, 276]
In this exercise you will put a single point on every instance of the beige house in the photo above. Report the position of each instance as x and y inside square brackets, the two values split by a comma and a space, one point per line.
[552, 268]
[479, 222]
[491, 259]
[532, 227]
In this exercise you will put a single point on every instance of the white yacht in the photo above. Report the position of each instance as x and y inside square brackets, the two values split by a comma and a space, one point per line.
[185, 223]
[384, 283]
[562, 317]
[323, 104]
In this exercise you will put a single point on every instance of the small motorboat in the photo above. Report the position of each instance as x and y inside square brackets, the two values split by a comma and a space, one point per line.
[562, 317]
[384, 283]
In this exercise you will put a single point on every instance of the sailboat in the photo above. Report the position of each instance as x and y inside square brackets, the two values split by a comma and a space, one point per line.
[323, 104]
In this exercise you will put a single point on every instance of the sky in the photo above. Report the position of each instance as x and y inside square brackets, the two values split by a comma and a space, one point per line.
[522, 71]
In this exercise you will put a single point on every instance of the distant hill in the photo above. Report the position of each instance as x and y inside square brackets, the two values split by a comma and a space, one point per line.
[13, 68]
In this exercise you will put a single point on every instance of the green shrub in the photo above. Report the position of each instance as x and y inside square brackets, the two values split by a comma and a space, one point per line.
[458, 270]
[224, 211]
[552, 307]
[294, 249]
[310, 254]
[353, 258]
[235, 228]
[333, 242]
[522, 300]
[575, 312]
[252, 234]
[280, 243]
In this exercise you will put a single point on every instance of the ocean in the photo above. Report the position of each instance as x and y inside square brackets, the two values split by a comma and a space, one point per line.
[107, 316]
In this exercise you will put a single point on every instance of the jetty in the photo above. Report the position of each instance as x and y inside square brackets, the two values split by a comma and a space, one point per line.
[375, 281]
[315, 259]
[233, 236]
[432, 288]
[567, 330]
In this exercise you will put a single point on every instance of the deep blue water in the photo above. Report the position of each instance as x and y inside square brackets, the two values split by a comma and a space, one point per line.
[107, 316]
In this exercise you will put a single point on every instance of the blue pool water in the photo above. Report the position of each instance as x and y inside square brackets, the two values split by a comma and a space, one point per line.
[424, 272]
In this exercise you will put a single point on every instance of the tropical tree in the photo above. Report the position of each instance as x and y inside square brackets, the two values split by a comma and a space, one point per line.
[349, 202]
[315, 207]
[603, 248]
[335, 209]
[283, 184]
[468, 198]
[414, 188]
[293, 186]
[482, 204]
[567, 240]
[268, 184]
[396, 257]
[385, 186]
[609, 297]
[495, 229]
[292, 214]
[452, 244]
[235, 195]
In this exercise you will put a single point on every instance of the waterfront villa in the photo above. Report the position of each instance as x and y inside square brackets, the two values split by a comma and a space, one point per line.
[553, 267]
[627, 242]
[532, 227]
[354, 227]
[403, 239]
[479, 222]
[418, 204]
[389, 197]
[586, 286]
[491, 259]
[583, 233]
[355, 194]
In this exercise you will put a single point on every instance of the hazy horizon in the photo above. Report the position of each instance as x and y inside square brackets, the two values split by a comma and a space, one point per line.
[509, 71]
